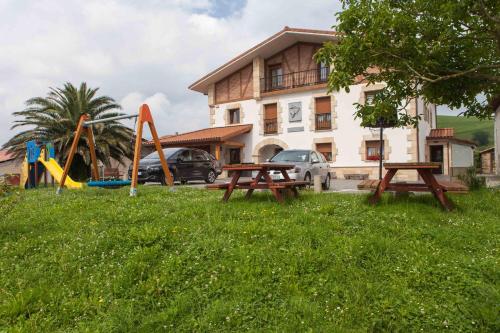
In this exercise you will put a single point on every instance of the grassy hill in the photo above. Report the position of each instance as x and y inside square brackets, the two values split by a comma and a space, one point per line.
[99, 261]
[479, 131]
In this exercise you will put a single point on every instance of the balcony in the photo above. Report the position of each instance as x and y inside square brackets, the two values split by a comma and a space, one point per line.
[323, 121]
[271, 126]
[295, 79]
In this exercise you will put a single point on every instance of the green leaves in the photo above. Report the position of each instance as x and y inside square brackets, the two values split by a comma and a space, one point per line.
[54, 118]
[447, 52]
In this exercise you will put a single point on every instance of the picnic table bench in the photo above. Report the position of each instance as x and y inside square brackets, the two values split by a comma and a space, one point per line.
[430, 184]
[261, 182]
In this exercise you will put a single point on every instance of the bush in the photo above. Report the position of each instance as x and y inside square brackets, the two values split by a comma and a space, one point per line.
[472, 180]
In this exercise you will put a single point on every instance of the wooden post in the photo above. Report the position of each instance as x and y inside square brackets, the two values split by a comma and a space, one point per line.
[72, 151]
[137, 156]
[164, 165]
[217, 152]
[93, 157]
[317, 184]
[145, 116]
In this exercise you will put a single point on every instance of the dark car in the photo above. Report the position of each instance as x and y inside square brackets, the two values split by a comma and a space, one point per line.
[185, 164]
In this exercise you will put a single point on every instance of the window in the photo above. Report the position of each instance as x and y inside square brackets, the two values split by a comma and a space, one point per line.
[370, 96]
[373, 150]
[326, 150]
[323, 113]
[185, 156]
[314, 157]
[198, 155]
[271, 118]
[276, 73]
[234, 116]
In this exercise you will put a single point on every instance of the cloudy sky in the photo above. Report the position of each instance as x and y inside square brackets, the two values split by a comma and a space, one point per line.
[136, 50]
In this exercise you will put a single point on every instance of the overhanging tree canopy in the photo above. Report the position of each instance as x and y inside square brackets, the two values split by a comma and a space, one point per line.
[447, 52]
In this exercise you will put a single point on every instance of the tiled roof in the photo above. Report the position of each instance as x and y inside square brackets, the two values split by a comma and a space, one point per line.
[5, 156]
[441, 133]
[206, 135]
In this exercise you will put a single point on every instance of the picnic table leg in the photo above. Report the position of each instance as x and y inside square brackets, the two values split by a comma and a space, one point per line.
[255, 182]
[382, 186]
[435, 188]
[230, 188]
[275, 191]
[293, 189]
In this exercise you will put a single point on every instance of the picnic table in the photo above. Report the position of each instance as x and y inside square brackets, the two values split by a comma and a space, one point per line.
[430, 184]
[263, 180]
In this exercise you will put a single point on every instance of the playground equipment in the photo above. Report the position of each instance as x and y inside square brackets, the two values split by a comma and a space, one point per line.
[38, 161]
[85, 125]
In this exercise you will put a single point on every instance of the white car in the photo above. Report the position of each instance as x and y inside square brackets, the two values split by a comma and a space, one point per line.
[308, 163]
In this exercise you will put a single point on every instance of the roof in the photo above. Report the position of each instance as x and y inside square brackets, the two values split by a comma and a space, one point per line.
[281, 40]
[441, 133]
[487, 150]
[448, 134]
[6, 156]
[206, 135]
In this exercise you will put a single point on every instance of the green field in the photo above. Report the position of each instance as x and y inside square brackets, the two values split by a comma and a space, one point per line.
[473, 129]
[99, 261]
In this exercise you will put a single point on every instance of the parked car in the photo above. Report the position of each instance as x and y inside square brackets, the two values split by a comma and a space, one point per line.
[185, 164]
[308, 163]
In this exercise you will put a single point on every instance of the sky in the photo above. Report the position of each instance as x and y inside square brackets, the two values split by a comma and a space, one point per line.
[142, 51]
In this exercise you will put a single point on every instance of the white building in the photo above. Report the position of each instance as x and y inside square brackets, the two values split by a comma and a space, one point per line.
[279, 92]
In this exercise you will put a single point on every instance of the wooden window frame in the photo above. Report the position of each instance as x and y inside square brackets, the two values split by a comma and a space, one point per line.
[369, 146]
[230, 113]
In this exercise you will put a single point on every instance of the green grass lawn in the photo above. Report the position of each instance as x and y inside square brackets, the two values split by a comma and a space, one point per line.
[97, 260]
[473, 129]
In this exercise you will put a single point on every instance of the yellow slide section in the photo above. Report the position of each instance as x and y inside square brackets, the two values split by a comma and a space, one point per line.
[56, 171]
[24, 174]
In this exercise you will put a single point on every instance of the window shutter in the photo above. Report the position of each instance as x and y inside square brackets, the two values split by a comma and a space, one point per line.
[323, 105]
[270, 111]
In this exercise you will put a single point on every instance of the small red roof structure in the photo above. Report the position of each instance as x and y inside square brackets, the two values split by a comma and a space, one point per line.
[441, 133]
[448, 134]
[204, 136]
[6, 156]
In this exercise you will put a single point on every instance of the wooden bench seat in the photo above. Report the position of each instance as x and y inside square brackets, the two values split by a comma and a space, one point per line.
[447, 186]
[289, 184]
[453, 187]
[226, 185]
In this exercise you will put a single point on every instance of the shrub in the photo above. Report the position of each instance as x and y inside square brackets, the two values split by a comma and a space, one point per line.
[472, 180]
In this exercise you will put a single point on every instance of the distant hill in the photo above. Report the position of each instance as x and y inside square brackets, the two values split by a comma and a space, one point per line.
[473, 129]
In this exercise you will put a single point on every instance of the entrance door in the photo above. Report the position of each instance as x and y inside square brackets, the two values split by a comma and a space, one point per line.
[234, 156]
[437, 156]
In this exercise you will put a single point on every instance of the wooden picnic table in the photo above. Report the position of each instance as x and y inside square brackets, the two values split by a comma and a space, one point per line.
[430, 184]
[262, 181]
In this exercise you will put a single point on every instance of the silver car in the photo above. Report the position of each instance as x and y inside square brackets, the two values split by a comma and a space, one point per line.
[308, 163]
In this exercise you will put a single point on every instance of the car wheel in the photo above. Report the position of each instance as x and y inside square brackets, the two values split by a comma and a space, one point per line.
[326, 184]
[211, 177]
[307, 178]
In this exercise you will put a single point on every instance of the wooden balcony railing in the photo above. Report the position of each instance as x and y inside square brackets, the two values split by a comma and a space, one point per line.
[294, 79]
[323, 121]
[271, 126]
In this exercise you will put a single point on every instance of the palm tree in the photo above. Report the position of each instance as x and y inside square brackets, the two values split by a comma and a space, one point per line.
[54, 118]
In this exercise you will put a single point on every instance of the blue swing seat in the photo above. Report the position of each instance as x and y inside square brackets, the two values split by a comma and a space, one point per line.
[109, 183]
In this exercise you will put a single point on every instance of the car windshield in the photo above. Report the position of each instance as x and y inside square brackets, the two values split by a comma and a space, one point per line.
[168, 152]
[291, 156]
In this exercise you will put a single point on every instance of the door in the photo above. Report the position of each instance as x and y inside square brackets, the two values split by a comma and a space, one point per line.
[201, 164]
[316, 165]
[437, 156]
[185, 164]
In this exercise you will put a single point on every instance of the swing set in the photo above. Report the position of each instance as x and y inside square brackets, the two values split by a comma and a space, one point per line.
[85, 125]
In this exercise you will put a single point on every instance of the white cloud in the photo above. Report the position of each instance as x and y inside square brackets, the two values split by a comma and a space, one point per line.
[135, 51]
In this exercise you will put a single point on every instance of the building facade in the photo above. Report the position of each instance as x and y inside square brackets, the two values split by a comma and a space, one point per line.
[279, 89]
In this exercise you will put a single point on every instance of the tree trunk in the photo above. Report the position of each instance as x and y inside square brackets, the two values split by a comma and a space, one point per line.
[497, 141]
